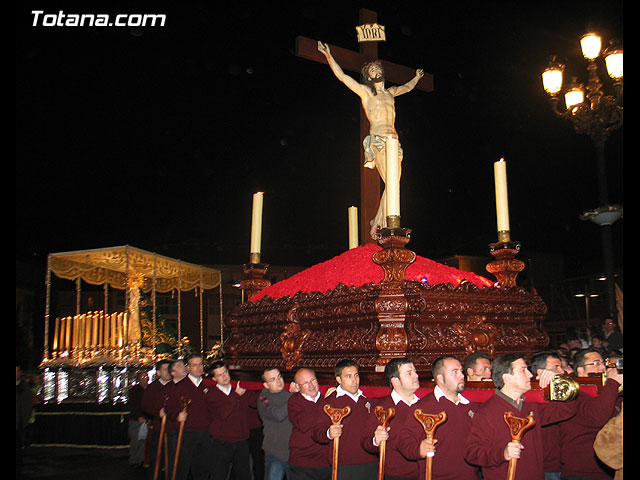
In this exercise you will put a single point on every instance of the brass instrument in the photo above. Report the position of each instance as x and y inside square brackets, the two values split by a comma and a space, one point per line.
[562, 388]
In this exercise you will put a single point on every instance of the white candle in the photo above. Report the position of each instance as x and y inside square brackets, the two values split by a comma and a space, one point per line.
[392, 183]
[353, 227]
[502, 196]
[256, 223]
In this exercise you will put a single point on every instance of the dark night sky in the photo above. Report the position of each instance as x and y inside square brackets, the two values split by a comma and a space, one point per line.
[158, 137]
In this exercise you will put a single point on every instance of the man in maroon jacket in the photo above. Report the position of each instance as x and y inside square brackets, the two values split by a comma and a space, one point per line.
[229, 428]
[196, 443]
[403, 378]
[549, 360]
[578, 458]
[489, 444]
[354, 462]
[153, 403]
[308, 460]
[448, 462]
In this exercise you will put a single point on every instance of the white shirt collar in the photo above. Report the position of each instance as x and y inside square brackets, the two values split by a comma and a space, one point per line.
[164, 382]
[226, 389]
[196, 380]
[311, 399]
[395, 396]
[341, 391]
[439, 394]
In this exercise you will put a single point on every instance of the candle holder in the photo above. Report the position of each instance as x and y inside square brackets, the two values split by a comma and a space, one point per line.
[391, 305]
[504, 236]
[254, 277]
[506, 267]
[393, 229]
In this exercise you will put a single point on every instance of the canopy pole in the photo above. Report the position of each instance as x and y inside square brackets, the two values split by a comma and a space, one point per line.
[153, 303]
[126, 286]
[106, 297]
[179, 300]
[47, 307]
[221, 317]
[202, 347]
[78, 295]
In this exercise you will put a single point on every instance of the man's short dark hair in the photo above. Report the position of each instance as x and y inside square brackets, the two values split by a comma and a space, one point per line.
[438, 365]
[188, 358]
[268, 369]
[501, 365]
[539, 360]
[392, 368]
[470, 361]
[161, 363]
[342, 364]
[218, 364]
[579, 359]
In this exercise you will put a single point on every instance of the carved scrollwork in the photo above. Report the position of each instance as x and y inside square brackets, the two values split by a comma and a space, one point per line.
[477, 334]
[293, 338]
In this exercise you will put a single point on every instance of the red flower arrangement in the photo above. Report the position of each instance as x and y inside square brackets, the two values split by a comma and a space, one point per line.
[355, 268]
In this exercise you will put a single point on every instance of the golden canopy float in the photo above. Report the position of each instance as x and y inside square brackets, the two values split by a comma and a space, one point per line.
[376, 302]
[115, 340]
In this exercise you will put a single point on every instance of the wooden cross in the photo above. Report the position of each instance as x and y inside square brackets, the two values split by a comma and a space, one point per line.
[394, 73]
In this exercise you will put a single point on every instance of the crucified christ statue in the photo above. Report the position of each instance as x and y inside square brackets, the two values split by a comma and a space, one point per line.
[379, 107]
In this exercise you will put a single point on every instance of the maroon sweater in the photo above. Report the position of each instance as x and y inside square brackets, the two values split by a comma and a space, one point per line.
[303, 450]
[578, 434]
[489, 436]
[396, 464]
[153, 400]
[351, 451]
[448, 462]
[230, 414]
[198, 417]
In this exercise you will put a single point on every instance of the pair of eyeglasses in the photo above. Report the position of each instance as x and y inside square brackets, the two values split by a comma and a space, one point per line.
[597, 363]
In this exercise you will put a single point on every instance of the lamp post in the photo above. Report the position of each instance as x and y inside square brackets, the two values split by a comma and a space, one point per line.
[587, 294]
[595, 114]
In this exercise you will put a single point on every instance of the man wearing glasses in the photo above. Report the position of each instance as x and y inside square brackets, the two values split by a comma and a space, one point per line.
[489, 444]
[551, 434]
[612, 336]
[578, 459]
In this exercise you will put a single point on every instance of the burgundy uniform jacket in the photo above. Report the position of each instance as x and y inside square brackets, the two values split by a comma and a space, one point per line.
[303, 450]
[351, 451]
[578, 434]
[396, 464]
[230, 414]
[448, 462]
[490, 435]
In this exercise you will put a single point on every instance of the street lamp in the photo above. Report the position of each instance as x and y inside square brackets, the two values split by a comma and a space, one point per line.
[595, 114]
[587, 296]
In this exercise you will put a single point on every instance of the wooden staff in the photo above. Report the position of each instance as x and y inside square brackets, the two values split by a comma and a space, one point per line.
[517, 427]
[185, 403]
[336, 415]
[384, 417]
[166, 458]
[429, 422]
[159, 450]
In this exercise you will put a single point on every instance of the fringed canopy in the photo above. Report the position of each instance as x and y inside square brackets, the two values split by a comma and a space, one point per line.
[117, 265]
